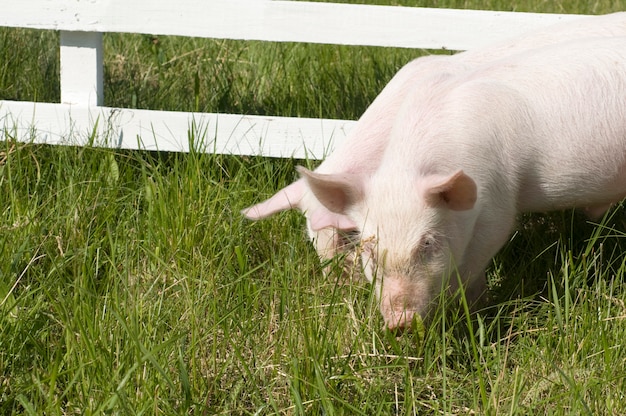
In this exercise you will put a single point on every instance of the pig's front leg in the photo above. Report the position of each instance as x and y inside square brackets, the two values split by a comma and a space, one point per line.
[595, 213]
[490, 235]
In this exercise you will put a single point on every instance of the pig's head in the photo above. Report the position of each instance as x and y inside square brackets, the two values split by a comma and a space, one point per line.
[415, 230]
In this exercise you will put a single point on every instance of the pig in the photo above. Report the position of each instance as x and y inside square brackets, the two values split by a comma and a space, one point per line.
[361, 150]
[537, 131]
[360, 153]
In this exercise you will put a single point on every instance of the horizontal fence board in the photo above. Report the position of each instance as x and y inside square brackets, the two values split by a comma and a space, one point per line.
[270, 20]
[170, 131]
[266, 20]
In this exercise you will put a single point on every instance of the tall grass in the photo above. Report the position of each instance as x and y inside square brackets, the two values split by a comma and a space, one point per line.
[130, 284]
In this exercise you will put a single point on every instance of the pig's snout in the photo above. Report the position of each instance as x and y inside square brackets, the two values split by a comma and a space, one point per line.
[401, 302]
[398, 320]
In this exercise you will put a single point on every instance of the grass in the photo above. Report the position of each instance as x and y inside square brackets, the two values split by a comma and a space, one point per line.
[130, 284]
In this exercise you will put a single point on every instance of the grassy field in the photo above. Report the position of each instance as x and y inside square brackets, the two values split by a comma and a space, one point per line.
[130, 284]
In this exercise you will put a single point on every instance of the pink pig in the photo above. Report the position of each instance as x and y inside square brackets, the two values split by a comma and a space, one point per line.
[361, 151]
[539, 131]
[360, 154]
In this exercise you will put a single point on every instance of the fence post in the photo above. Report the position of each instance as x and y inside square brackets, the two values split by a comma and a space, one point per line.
[82, 68]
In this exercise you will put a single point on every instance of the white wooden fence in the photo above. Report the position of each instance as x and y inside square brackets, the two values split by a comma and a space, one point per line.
[82, 23]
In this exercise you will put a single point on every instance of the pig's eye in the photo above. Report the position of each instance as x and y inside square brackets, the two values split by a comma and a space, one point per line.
[428, 242]
[426, 247]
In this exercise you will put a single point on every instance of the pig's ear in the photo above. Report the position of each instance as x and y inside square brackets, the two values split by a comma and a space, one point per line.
[322, 218]
[287, 198]
[337, 192]
[458, 191]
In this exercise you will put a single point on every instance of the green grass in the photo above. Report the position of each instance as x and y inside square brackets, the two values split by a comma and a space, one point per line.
[130, 284]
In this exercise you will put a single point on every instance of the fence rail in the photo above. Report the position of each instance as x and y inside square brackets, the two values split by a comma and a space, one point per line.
[81, 115]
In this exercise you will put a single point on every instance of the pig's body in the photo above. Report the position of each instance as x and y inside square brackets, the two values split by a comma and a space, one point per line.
[361, 153]
[539, 131]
